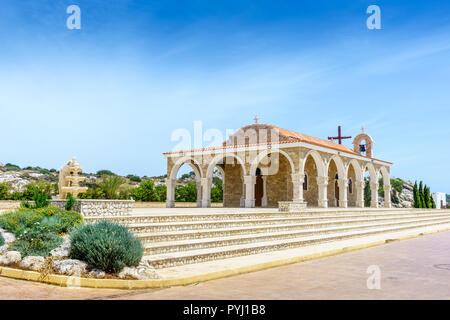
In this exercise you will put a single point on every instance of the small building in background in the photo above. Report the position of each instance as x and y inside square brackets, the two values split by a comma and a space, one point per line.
[440, 199]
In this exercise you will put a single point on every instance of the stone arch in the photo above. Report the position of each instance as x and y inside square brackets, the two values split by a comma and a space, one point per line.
[357, 168]
[265, 153]
[220, 157]
[339, 165]
[192, 162]
[372, 171]
[171, 181]
[317, 160]
[369, 144]
[384, 173]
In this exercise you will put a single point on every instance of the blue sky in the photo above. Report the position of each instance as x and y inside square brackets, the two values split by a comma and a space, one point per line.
[113, 92]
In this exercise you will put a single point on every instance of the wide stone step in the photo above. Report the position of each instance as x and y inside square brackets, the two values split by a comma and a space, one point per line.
[178, 226]
[166, 218]
[202, 255]
[154, 237]
[222, 241]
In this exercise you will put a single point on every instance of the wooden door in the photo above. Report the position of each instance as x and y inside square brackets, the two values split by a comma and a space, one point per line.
[336, 192]
[259, 185]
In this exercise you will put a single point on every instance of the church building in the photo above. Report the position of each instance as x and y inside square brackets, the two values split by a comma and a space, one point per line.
[266, 166]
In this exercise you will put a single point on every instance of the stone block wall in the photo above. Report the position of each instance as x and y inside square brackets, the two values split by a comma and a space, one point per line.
[233, 185]
[311, 195]
[94, 207]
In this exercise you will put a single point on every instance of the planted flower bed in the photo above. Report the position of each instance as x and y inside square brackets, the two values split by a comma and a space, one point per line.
[54, 240]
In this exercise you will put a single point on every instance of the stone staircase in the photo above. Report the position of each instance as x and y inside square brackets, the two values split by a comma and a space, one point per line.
[180, 239]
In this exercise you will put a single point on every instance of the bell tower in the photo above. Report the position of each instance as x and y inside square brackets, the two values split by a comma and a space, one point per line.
[363, 143]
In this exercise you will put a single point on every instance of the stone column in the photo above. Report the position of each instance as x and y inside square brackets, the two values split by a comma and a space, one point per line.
[170, 193]
[206, 192]
[242, 200]
[264, 197]
[322, 183]
[359, 187]
[343, 185]
[374, 191]
[199, 193]
[297, 185]
[249, 182]
[387, 195]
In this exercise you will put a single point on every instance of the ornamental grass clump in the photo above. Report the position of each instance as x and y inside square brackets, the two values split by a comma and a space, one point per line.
[2, 240]
[107, 246]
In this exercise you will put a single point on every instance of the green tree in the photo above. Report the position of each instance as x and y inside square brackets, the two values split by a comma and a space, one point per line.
[421, 197]
[416, 195]
[217, 192]
[367, 193]
[433, 204]
[110, 185]
[161, 191]
[145, 192]
[187, 193]
[426, 197]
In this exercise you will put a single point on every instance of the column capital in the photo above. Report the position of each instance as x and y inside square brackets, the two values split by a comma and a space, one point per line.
[298, 177]
[322, 180]
[250, 179]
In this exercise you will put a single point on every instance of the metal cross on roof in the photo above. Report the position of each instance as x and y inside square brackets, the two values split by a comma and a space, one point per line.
[256, 119]
[339, 136]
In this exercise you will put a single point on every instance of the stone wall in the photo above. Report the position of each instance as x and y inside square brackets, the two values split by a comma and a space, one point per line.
[331, 187]
[233, 185]
[88, 207]
[279, 184]
[310, 195]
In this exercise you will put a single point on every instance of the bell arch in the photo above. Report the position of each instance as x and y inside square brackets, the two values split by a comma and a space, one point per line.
[368, 147]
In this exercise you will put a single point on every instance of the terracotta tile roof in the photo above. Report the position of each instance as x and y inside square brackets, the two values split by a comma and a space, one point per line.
[285, 136]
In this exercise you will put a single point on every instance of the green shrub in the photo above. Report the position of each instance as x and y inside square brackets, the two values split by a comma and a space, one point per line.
[92, 193]
[36, 241]
[104, 172]
[134, 178]
[145, 192]
[38, 187]
[70, 202]
[4, 190]
[40, 199]
[2, 240]
[12, 167]
[106, 245]
[22, 219]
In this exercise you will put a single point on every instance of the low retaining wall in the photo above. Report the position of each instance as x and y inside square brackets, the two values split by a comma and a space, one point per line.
[91, 207]
[152, 204]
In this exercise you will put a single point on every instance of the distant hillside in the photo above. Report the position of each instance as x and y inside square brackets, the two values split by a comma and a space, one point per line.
[18, 177]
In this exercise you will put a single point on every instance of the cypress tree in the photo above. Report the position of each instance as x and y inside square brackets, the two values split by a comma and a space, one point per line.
[433, 204]
[367, 194]
[415, 195]
[421, 198]
[427, 197]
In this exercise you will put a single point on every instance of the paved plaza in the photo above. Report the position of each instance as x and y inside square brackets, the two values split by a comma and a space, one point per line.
[417, 268]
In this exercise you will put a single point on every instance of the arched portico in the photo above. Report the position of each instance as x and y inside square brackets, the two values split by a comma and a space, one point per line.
[172, 179]
[232, 168]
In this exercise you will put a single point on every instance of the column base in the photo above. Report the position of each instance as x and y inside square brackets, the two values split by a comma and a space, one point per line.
[343, 203]
[206, 204]
[249, 203]
[170, 204]
[291, 206]
[374, 204]
[323, 203]
[264, 202]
